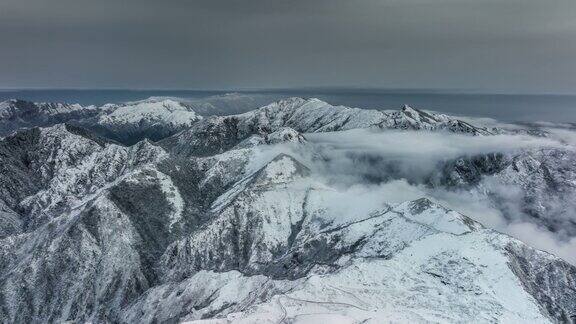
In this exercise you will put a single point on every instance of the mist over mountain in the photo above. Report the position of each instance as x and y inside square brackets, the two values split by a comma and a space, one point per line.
[231, 210]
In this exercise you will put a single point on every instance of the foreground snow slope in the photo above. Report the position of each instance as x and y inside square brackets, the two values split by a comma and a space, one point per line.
[416, 261]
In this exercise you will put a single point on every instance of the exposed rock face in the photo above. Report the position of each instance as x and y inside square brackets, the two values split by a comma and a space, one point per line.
[546, 181]
[548, 283]
[543, 180]
[202, 225]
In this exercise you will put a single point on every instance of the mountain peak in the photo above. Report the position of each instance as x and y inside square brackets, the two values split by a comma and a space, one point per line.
[150, 111]
[282, 169]
[406, 107]
[421, 116]
[285, 135]
[425, 211]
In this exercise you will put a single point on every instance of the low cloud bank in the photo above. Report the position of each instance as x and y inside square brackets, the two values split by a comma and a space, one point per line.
[366, 155]
[371, 168]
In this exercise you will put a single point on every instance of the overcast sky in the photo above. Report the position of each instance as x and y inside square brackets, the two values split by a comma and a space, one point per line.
[500, 45]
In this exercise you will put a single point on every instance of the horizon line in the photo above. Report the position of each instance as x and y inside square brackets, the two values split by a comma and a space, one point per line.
[462, 91]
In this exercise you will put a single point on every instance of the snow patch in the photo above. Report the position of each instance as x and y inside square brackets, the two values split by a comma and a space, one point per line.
[174, 198]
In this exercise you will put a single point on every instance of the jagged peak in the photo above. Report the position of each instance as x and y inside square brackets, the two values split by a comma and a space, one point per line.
[421, 115]
[410, 112]
[285, 135]
[63, 131]
[282, 135]
[406, 107]
[281, 169]
[436, 216]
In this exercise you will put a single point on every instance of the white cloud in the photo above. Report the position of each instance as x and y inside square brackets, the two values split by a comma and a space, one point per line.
[373, 168]
[380, 155]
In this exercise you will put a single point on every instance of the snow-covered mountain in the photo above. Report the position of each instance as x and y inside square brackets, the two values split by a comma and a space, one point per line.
[231, 220]
[20, 114]
[128, 123]
[314, 115]
[148, 112]
[152, 119]
[217, 134]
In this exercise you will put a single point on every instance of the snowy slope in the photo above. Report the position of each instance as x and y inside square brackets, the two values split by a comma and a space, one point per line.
[413, 262]
[427, 282]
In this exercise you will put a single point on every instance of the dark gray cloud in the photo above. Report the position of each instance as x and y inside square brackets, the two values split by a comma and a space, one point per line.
[512, 45]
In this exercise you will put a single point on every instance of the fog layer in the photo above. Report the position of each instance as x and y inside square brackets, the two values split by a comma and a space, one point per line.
[371, 168]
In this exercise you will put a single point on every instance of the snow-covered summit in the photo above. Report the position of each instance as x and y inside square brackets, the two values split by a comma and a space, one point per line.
[310, 115]
[149, 111]
[411, 118]
[283, 168]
